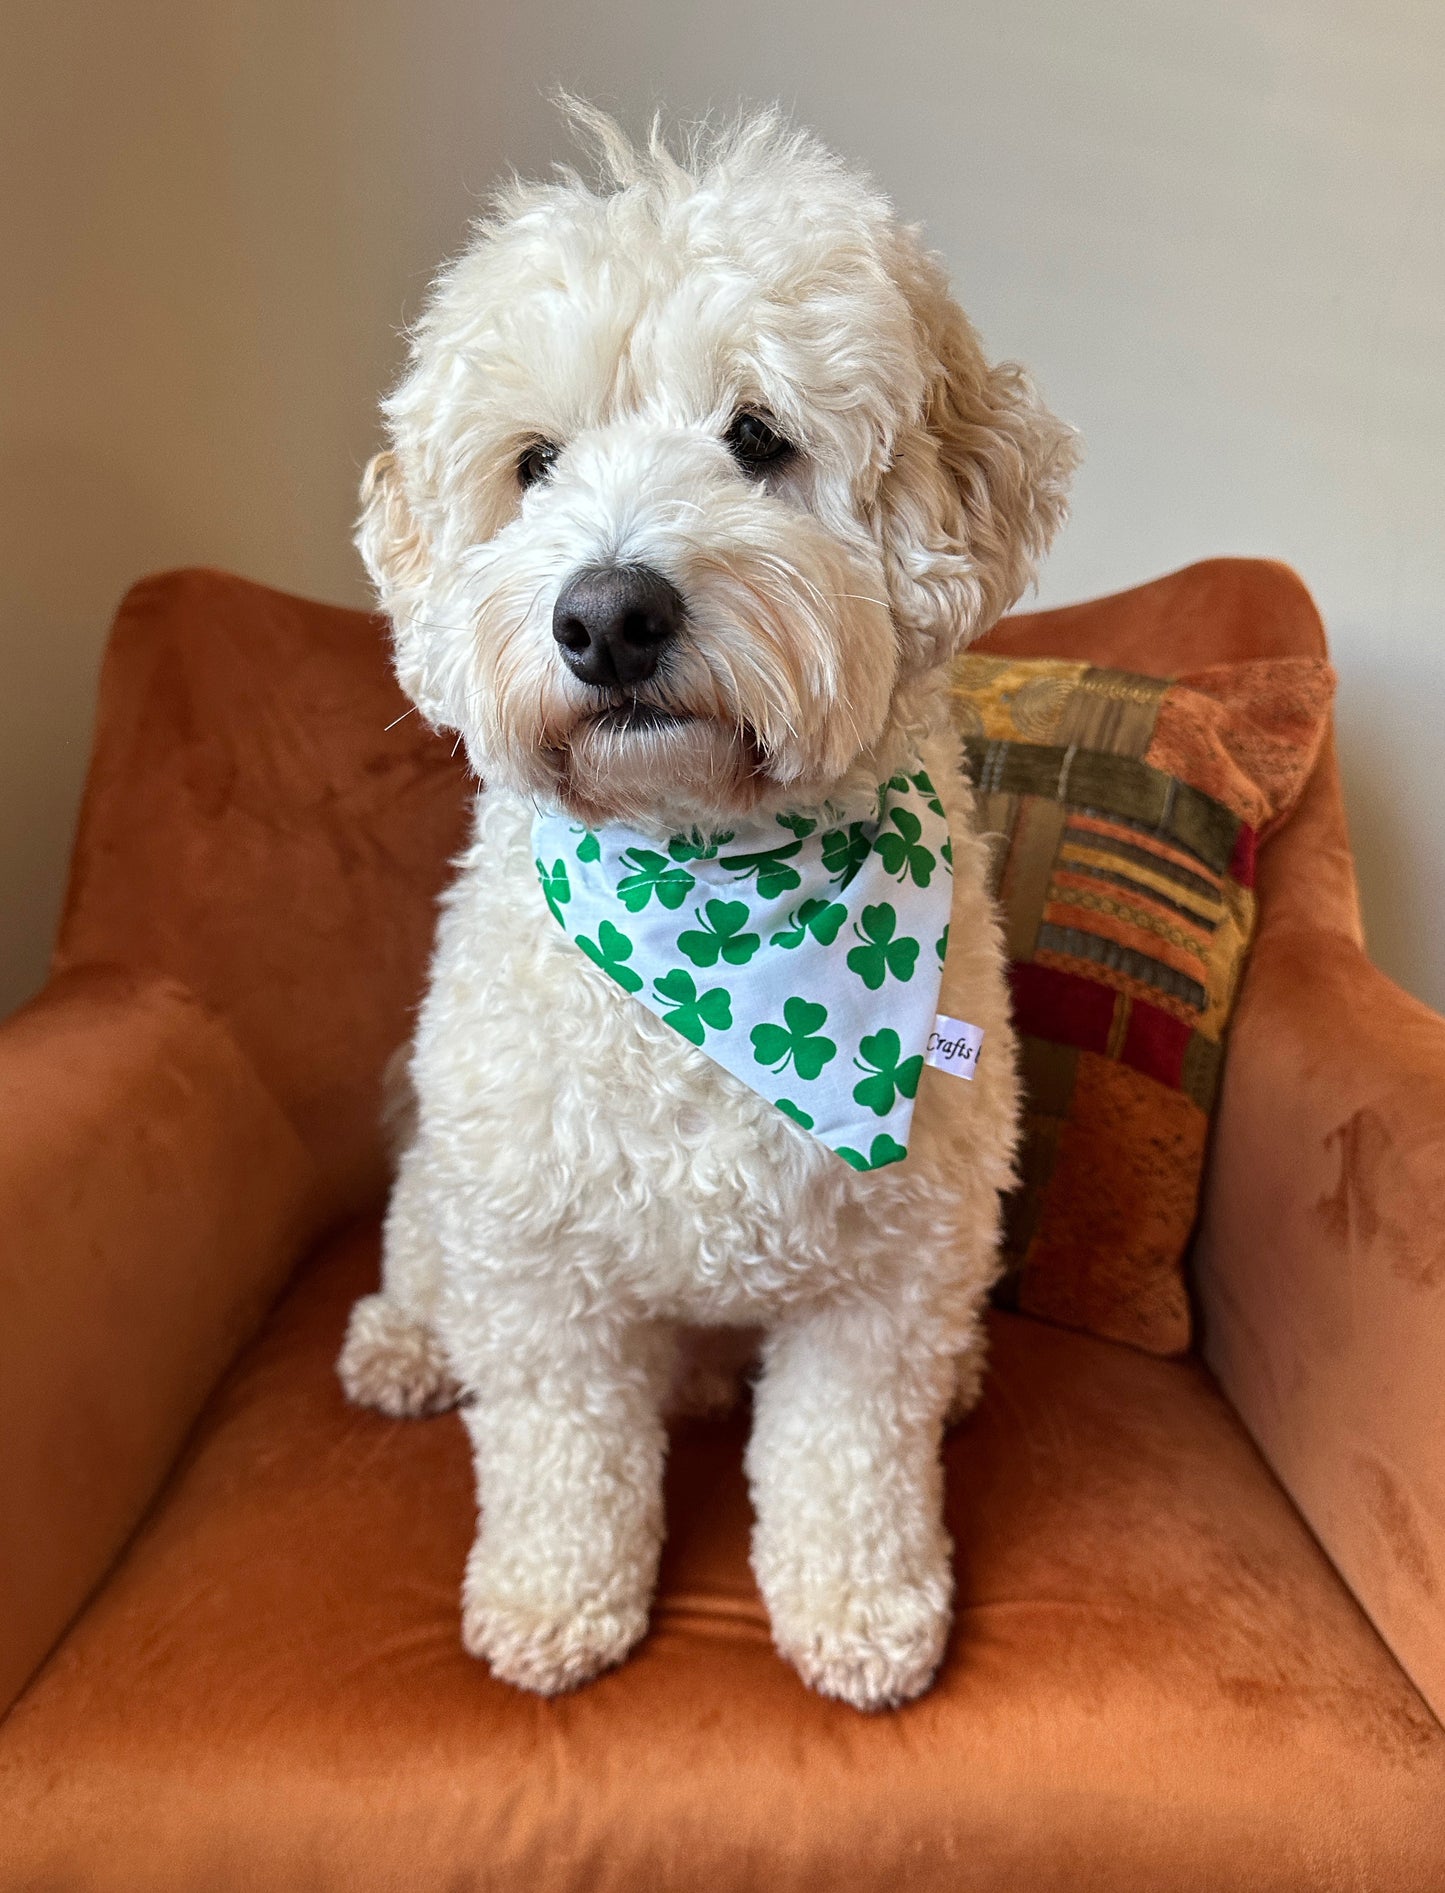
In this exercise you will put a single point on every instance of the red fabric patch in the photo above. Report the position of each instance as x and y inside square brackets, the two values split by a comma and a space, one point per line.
[1241, 862]
[1155, 1044]
[1063, 1007]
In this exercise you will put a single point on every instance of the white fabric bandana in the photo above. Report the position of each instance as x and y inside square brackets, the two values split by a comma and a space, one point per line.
[803, 957]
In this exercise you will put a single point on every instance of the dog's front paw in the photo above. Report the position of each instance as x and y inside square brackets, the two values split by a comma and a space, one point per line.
[873, 1649]
[546, 1648]
[393, 1362]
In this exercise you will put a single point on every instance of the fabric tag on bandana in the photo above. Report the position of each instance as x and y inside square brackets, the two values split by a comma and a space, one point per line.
[803, 954]
[953, 1045]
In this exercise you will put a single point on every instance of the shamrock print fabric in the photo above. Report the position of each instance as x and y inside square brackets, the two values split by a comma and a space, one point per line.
[804, 955]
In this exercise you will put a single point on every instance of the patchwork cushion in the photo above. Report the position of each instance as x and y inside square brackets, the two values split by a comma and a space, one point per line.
[1128, 811]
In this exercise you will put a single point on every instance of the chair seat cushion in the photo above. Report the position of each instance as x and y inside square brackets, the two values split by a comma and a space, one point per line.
[1156, 1681]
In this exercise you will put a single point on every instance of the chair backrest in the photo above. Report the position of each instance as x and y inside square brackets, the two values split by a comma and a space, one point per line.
[265, 820]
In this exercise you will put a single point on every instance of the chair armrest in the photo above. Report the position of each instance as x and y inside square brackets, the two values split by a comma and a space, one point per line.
[152, 1198]
[1321, 1268]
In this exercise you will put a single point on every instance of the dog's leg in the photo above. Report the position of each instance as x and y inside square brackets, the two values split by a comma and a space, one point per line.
[849, 1547]
[391, 1358]
[569, 1449]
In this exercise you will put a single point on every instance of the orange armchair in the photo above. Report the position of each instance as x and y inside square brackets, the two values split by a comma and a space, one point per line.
[228, 1603]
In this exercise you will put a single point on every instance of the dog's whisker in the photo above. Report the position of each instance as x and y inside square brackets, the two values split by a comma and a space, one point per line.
[535, 600]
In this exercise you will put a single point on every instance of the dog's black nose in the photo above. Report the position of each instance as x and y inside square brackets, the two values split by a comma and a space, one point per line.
[612, 621]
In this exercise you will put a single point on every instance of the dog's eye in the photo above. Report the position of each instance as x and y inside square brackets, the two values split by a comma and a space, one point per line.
[536, 462]
[755, 443]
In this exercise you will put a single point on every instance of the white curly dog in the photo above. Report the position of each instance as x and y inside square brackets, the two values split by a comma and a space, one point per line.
[731, 378]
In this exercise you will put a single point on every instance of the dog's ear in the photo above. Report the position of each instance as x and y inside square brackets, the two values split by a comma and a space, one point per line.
[389, 538]
[397, 553]
[978, 488]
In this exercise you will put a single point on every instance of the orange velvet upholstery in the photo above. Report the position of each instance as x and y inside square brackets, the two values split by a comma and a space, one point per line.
[264, 821]
[1156, 1681]
[152, 1203]
[1322, 1258]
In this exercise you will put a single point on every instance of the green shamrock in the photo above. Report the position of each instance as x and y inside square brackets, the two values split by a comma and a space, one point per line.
[615, 947]
[880, 954]
[940, 946]
[797, 1041]
[821, 918]
[884, 1151]
[692, 1012]
[795, 1112]
[774, 876]
[589, 848]
[889, 1073]
[801, 825]
[653, 874]
[556, 888]
[845, 851]
[947, 849]
[721, 936]
[695, 847]
[925, 787]
[902, 853]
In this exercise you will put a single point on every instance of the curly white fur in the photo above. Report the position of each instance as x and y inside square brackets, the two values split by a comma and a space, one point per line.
[583, 1188]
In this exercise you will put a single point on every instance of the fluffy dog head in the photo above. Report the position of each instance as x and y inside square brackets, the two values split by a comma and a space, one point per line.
[696, 479]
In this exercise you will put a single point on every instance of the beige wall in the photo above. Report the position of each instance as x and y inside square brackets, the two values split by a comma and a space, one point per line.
[1216, 232]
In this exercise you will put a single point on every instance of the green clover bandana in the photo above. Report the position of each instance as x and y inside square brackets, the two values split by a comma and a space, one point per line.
[802, 956]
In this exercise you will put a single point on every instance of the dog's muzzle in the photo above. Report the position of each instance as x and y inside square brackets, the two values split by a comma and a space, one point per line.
[613, 622]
